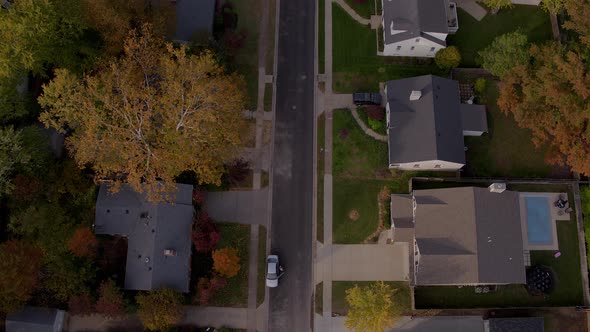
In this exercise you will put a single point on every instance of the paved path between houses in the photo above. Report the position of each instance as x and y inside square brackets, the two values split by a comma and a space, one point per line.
[472, 8]
[366, 129]
[352, 12]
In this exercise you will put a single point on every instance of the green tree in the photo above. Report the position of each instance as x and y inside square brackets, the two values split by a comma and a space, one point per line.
[12, 156]
[37, 33]
[372, 308]
[67, 276]
[159, 310]
[15, 102]
[150, 115]
[447, 58]
[506, 52]
[20, 263]
[553, 6]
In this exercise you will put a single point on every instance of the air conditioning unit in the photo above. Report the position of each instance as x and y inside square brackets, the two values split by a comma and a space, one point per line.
[169, 252]
[497, 187]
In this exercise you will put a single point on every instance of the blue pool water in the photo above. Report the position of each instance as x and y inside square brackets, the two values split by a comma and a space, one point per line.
[538, 220]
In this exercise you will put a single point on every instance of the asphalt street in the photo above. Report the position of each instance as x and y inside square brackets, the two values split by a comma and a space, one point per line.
[291, 230]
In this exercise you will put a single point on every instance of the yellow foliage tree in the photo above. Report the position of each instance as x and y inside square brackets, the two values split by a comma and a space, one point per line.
[226, 262]
[150, 115]
[372, 308]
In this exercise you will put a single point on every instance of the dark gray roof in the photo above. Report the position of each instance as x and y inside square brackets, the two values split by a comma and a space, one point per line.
[151, 229]
[402, 218]
[426, 129]
[441, 324]
[528, 324]
[414, 17]
[468, 235]
[192, 17]
[474, 117]
[35, 319]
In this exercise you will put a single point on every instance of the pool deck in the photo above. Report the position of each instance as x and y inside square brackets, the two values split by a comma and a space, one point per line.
[556, 214]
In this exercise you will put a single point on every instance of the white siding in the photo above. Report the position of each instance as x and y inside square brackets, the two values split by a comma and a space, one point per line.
[421, 48]
[428, 165]
[472, 133]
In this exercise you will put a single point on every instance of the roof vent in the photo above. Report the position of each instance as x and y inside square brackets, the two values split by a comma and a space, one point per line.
[169, 252]
[497, 187]
[415, 95]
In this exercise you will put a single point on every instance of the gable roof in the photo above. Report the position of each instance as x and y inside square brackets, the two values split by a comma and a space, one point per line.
[525, 324]
[468, 235]
[35, 319]
[151, 229]
[415, 18]
[428, 128]
[192, 17]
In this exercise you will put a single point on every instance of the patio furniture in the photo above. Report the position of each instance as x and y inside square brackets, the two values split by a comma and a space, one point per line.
[560, 203]
[560, 212]
[568, 210]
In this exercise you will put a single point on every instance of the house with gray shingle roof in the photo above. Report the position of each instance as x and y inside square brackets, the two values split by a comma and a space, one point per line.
[158, 235]
[36, 319]
[417, 28]
[426, 123]
[461, 236]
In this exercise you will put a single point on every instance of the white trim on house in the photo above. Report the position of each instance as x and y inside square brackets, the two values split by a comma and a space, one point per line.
[428, 165]
[415, 47]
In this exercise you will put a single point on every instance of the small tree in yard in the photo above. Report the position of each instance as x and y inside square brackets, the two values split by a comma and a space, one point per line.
[226, 262]
[159, 310]
[83, 243]
[80, 305]
[110, 301]
[372, 308]
[206, 234]
[506, 52]
[375, 112]
[447, 58]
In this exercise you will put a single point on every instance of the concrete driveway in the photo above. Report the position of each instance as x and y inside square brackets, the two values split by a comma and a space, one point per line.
[366, 262]
[243, 207]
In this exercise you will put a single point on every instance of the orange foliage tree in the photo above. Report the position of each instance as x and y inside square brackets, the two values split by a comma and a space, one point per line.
[226, 262]
[148, 116]
[551, 97]
[20, 263]
[83, 243]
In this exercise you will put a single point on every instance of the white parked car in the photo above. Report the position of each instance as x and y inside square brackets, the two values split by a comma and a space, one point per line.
[273, 271]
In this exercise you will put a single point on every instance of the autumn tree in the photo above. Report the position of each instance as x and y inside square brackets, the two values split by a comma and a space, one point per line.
[226, 262]
[551, 97]
[205, 233]
[83, 242]
[497, 4]
[20, 263]
[206, 288]
[80, 305]
[113, 19]
[448, 57]
[65, 276]
[579, 19]
[372, 308]
[506, 52]
[148, 116]
[159, 309]
[553, 6]
[110, 301]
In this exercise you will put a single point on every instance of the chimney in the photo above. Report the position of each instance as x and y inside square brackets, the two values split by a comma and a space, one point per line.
[415, 95]
[169, 252]
[497, 187]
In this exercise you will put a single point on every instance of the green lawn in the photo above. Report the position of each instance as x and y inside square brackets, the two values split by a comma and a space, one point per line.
[339, 304]
[261, 287]
[319, 298]
[585, 196]
[321, 36]
[235, 293]
[474, 36]
[568, 291]
[507, 150]
[354, 153]
[365, 8]
[268, 97]
[270, 37]
[246, 60]
[359, 195]
[356, 65]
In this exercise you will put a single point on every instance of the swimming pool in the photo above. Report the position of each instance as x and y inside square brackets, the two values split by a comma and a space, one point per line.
[538, 217]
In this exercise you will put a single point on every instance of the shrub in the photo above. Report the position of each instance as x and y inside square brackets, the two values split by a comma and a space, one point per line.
[198, 196]
[110, 301]
[448, 58]
[236, 171]
[226, 262]
[480, 85]
[80, 305]
[83, 243]
[375, 112]
[206, 288]
[205, 235]
[376, 125]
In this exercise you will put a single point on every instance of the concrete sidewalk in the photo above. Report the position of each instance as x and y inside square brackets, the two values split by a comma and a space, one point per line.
[472, 8]
[243, 207]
